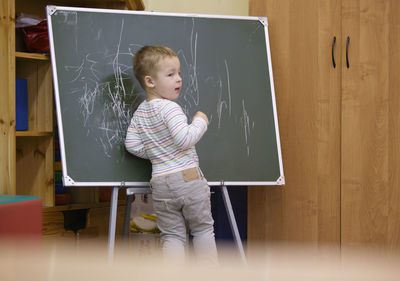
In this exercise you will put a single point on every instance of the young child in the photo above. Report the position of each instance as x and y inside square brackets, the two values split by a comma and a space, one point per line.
[159, 131]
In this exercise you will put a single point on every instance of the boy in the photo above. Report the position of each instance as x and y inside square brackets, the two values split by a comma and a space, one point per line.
[159, 131]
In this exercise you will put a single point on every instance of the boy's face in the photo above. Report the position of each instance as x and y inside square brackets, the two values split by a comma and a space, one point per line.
[166, 82]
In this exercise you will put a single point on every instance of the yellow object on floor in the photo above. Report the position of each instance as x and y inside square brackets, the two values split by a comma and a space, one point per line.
[144, 224]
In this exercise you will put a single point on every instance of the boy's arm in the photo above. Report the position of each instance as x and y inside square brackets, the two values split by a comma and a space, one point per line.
[133, 142]
[183, 134]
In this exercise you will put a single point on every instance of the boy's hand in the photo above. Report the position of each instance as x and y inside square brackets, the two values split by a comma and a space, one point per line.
[201, 115]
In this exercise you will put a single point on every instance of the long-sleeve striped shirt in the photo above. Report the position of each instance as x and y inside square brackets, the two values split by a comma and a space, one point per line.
[159, 131]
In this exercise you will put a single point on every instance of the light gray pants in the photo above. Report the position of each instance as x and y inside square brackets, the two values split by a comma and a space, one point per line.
[182, 200]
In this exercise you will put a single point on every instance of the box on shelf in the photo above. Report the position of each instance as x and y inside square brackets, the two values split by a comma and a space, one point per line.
[21, 105]
[60, 188]
[62, 199]
[57, 176]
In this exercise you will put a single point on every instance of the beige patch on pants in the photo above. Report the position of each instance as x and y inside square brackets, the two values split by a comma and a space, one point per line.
[190, 174]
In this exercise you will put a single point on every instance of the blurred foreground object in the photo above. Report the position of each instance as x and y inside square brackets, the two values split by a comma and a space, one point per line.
[20, 217]
[90, 262]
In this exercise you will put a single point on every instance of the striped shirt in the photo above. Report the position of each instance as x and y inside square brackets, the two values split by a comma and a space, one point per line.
[159, 131]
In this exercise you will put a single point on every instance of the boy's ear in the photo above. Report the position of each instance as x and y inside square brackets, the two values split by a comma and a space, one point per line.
[148, 80]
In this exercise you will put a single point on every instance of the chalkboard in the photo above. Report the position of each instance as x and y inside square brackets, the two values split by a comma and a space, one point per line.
[226, 72]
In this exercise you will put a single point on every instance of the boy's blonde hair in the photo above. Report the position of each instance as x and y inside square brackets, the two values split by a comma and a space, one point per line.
[145, 61]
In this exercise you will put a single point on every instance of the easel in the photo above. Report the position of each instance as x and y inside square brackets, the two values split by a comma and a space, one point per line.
[130, 191]
[232, 222]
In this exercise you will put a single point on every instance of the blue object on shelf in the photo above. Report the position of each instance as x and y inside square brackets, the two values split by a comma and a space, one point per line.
[60, 188]
[57, 155]
[21, 105]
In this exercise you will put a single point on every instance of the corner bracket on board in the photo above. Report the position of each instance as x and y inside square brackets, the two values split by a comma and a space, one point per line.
[281, 180]
[263, 20]
[68, 181]
[51, 10]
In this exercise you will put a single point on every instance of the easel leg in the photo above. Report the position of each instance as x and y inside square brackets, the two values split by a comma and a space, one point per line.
[232, 222]
[112, 223]
[127, 218]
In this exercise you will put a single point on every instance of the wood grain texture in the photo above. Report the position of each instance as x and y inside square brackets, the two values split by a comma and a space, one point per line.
[35, 157]
[7, 99]
[31, 56]
[307, 208]
[367, 104]
[370, 125]
[40, 93]
[135, 5]
[37, 7]
[96, 223]
[35, 154]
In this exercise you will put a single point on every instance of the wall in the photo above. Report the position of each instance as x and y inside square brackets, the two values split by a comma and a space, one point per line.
[221, 7]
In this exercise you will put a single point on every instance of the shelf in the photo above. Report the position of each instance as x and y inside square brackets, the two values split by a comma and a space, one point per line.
[72, 206]
[31, 56]
[33, 134]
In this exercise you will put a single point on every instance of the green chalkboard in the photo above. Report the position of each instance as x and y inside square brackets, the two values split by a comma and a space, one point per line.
[226, 72]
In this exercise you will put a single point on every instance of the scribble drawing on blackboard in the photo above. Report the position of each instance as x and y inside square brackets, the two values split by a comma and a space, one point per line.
[191, 94]
[71, 18]
[117, 95]
[226, 72]
[105, 79]
[247, 128]
[229, 88]
[258, 25]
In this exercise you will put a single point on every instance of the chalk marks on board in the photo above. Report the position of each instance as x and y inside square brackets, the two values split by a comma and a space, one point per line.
[105, 79]
[257, 26]
[245, 121]
[190, 89]
[227, 104]
[69, 17]
[229, 88]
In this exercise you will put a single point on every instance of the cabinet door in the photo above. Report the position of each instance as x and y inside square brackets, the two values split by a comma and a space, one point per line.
[307, 89]
[370, 187]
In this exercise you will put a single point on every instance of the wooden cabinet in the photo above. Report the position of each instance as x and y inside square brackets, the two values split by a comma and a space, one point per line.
[340, 126]
[370, 174]
[27, 157]
[307, 208]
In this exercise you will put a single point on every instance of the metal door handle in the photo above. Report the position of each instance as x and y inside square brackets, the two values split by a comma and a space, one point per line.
[333, 52]
[347, 52]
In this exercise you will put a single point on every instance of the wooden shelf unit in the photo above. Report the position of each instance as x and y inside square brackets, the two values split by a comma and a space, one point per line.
[29, 168]
[35, 147]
